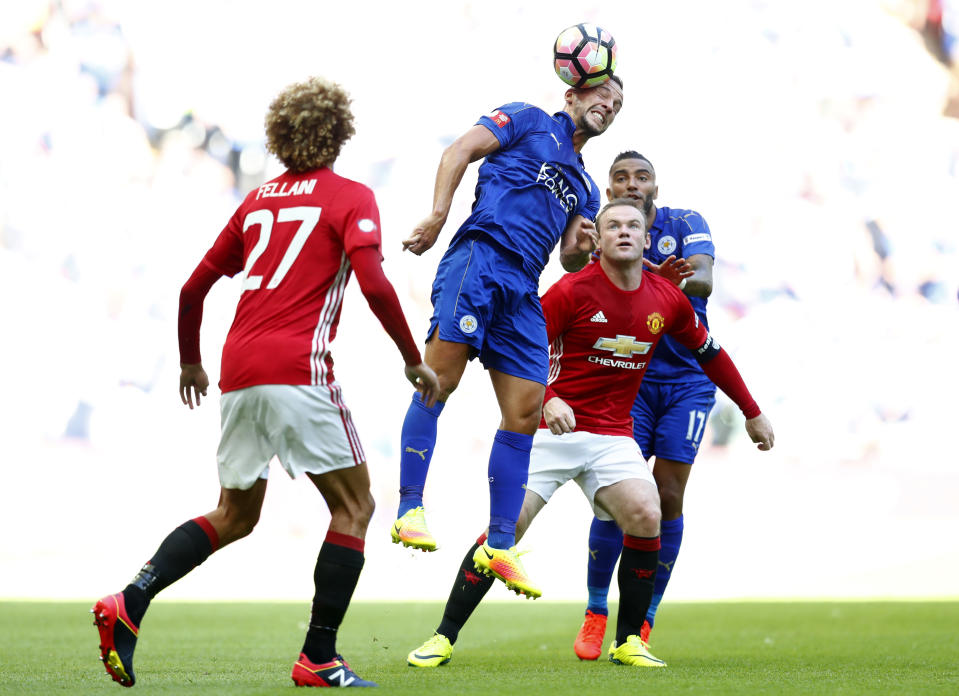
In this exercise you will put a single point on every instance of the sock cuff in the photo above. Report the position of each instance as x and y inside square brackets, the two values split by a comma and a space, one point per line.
[641, 543]
[209, 530]
[350, 542]
[671, 525]
[518, 441]
[435, 411]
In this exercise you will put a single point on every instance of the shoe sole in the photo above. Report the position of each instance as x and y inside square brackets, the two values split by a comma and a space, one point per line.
[642, 664]
[510, 585]
[422, 546]
[424, 666]
[588, 656]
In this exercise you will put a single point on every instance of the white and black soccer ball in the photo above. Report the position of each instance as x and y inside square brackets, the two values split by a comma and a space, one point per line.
[584, 55]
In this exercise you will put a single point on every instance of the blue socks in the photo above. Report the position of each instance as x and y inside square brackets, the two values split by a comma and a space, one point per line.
[605, 545]
[417, 440]
[508, 472]
[671, 537]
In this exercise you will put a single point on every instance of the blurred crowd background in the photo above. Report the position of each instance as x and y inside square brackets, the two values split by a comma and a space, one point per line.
[820, 140]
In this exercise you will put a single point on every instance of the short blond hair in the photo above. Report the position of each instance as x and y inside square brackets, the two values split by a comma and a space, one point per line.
[307, 124]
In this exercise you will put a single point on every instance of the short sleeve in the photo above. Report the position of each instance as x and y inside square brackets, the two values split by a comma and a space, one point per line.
[696, 237]
[361, 221]
[509, 122]
[226, 254]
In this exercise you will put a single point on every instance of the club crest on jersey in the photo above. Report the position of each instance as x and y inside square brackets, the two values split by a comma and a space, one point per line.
[468, 324]
[654, 322]
[499, 118]
[666, 245]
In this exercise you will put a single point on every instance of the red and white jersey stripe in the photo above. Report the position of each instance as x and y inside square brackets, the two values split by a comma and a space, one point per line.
[291, 238]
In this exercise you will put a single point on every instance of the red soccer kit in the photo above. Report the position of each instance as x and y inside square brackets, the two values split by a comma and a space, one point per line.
[602, 338]
[293, 237]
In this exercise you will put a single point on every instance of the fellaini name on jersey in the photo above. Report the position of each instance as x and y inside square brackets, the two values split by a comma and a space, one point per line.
[553, 180]
[612, 362]
[297, 188]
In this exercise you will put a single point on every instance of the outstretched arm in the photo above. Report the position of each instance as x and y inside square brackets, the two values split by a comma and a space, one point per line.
[475, 144]
[193, 379]
[719, 367]
[381, 297]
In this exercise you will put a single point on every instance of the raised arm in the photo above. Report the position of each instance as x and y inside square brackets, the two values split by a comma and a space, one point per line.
[381, 297]
[700, 284]
[475, 144]
[578, 243]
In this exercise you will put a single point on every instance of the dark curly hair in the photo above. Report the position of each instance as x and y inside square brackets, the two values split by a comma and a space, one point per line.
[307, 124]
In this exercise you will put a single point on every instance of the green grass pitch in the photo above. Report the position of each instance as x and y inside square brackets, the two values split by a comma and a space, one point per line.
[513, 647]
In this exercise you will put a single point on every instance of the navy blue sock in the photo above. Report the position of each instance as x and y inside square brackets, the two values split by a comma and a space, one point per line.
[671, 537]
[417, 440]
[605, 545]
[508, 472]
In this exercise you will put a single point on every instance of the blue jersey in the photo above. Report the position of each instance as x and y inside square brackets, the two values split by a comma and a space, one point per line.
[531, 187]
[682, 233]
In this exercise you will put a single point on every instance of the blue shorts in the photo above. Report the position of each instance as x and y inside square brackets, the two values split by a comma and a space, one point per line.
[484, 298]
[669, 419]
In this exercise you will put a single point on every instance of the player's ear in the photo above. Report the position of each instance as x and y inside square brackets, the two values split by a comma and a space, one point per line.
[656, 192]
[649, 241]
[609, 195]
[569, 95]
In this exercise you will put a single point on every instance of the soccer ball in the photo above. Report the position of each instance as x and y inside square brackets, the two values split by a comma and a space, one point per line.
[584, 55]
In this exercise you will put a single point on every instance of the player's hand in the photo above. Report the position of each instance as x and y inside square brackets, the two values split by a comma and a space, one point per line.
[424, 234]
[559, 416]
[424, 379]
[193, 383]
[672, 269]
[587, 238]
[760, 431]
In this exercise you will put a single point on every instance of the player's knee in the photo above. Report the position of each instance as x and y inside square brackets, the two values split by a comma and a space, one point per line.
[238, 523]
[447, 388]
[641, 518]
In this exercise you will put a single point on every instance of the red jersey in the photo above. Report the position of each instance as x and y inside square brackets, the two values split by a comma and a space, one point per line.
[292, 237]
[602, 338]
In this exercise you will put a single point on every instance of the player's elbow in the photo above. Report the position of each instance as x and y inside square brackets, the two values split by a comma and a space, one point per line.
[573, 261]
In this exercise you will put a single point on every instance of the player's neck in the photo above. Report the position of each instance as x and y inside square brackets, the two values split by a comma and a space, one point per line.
[626, 276]
[651, 216]
[579, 139]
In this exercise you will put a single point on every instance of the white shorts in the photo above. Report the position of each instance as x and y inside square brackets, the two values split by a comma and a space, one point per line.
[308, 428]
[592, 460]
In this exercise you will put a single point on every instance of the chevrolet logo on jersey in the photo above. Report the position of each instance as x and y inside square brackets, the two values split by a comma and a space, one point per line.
[626, 346]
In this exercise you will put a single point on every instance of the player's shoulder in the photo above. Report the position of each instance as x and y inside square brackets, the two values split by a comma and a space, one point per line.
[683, 217]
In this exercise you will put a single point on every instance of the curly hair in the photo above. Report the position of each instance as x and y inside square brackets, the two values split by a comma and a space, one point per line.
[307, 124]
